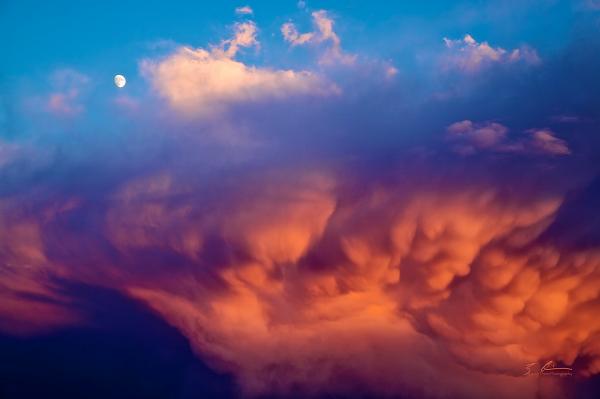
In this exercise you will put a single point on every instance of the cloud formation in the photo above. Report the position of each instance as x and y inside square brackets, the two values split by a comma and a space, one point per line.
[323, 33]
[469, 55]
[202, 83]
[294, 284]
[67, 85]
[469, 137]
[244, 10]
[544, 140]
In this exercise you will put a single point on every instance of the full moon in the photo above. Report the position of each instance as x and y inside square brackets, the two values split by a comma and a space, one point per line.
[120, 81]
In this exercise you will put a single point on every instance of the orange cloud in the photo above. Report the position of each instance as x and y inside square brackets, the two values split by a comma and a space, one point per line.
[313, 288]
[294, 285]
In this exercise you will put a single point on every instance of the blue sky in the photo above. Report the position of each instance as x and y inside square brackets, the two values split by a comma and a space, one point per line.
[111, 34]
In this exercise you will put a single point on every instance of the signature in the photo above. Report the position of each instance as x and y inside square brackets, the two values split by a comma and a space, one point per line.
[547, 369]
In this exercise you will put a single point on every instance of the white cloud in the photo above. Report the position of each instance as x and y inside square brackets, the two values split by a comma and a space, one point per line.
[323, 33]
[202, 82]
[469, 55]
[245, 10]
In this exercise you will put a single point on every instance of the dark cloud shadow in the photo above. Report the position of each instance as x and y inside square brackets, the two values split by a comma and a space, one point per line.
[126, 352]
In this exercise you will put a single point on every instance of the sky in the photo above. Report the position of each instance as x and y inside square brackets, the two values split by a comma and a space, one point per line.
[300, 199]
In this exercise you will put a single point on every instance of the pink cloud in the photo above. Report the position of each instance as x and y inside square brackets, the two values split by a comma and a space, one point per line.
[483, 135]
[244, 36]
[469, 137]
[64, 103]
[323, 33]
[469, 55]
[244, 10]
[545, 141]
[65, 99]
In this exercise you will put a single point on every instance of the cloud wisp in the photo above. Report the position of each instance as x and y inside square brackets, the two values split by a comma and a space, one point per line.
[323, 34]
[244, 10]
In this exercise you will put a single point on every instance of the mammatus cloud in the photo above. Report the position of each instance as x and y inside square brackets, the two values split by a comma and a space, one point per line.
[323, 33]
[204, 82]
[469, 137]
[469, 55]
[245, 10]
[295, 285]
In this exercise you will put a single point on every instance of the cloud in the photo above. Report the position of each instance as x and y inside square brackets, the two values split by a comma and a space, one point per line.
[481, 136]
[294, 284]
[544, 140]
[29, 302]
[469, 137]
[65, 103]
[244, 36]
[202, 83]
[245, 10]
[65, 99]
[471, 56]
[451, 264]
[323, 33]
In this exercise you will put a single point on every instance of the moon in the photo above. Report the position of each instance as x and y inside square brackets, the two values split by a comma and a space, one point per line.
[120, 81]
